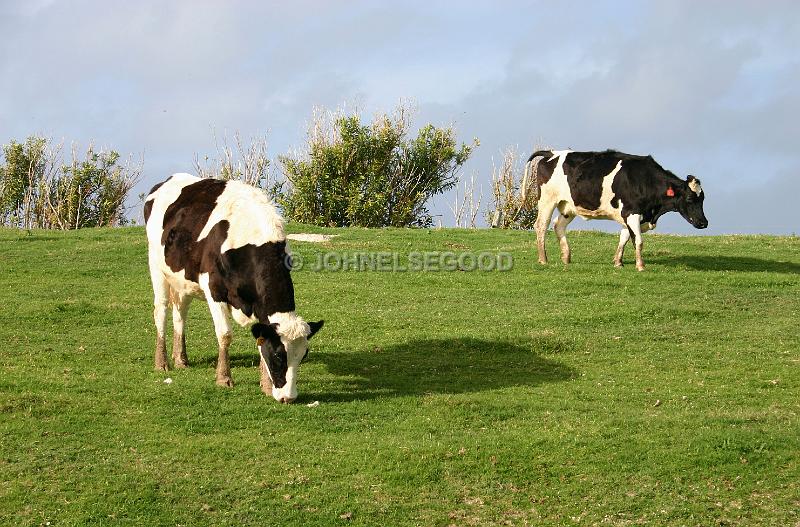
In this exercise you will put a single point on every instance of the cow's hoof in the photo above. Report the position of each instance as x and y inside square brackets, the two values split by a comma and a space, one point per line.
[161, 367]
[225, 382]
[181, 364]
[542, 262]
[618, 265]
[640, 268]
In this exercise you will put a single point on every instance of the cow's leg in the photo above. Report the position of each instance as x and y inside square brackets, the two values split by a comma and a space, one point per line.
[266, 382]
[541, 225]
[561, 233]
[160, 305]
[624, 236]
[634, 224]
[221, 312]
[180, 306]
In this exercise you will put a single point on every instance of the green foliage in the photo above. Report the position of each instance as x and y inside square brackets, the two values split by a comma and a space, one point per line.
[92, 191]
[40, 191]
[525, 397]
[373, 175]
[514, 195]
[23, 167]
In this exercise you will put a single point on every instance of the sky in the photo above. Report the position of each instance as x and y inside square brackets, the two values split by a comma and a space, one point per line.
[709, 88]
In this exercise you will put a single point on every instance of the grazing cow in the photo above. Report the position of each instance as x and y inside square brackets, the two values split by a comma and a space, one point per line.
[224, 241]
[632, 190]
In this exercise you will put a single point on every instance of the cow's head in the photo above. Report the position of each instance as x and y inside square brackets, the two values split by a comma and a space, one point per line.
[690, 203]
[283, 349]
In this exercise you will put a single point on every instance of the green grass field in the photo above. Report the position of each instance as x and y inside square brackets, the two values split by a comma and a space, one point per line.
[580, 395]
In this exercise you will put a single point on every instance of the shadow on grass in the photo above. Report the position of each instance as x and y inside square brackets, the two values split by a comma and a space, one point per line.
[459, 365]
[730, 263]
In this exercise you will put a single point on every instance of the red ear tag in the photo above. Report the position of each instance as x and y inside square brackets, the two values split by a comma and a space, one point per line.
[670, 192]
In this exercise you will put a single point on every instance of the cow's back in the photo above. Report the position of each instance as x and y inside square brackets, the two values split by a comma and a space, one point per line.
[199, 227]
[593, 183]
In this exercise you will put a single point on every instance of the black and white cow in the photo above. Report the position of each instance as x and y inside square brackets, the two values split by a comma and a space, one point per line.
[632, 190]
[224, 241]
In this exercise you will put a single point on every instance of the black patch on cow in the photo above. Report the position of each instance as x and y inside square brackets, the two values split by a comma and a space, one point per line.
[642, 185]
[273, 352]
[148, 206]
[585, 172]
[253, 279]
[182, 252]
[190, 212]
[158, 185]
[544, 171]
[184, 219]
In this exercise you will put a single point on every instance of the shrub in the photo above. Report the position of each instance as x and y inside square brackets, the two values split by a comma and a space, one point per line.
[23, 167]
[39, 191]
[353, 174]
[246, 162]
[513, 195]
[465, 206]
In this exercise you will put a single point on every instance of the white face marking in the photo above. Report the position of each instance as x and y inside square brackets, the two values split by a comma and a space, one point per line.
[694, 185]
[295, 349]
[293, 332]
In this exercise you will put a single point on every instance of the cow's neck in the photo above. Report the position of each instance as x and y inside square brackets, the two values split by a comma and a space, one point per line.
[658, 210]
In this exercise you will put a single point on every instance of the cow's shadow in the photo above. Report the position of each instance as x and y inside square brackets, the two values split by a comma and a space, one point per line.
[456, 365]
[729, 263]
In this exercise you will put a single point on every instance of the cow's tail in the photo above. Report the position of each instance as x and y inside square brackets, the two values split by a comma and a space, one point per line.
[530, 187]
[173, 297]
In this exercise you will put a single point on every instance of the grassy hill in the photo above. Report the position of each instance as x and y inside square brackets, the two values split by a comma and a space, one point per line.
[573, 395]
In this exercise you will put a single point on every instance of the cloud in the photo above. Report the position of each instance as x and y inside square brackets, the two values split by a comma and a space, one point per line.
[671, 85]
[707, 88]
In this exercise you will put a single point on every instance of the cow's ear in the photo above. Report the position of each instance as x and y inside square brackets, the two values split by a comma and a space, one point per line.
[690, 178]
[315, 326]
[264, 330]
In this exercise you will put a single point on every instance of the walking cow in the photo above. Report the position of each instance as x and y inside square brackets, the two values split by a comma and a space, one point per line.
[224, 241]
[632, 190]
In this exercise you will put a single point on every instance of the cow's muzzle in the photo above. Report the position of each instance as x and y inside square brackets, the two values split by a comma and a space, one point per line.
[284, 396]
